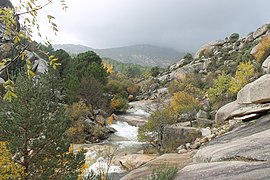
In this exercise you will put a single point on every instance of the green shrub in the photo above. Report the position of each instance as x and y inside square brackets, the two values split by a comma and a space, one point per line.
[234, 37]
[163, 173]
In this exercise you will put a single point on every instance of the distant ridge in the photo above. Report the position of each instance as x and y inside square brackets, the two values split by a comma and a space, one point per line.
[145, 55]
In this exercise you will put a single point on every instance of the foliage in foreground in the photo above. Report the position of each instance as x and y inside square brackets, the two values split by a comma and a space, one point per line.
[9, 169]
[34, 125]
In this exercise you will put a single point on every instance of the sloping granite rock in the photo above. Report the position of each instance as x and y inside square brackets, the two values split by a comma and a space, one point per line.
[236, 170]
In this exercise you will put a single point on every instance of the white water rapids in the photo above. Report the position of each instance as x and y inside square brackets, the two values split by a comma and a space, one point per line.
[122, 142]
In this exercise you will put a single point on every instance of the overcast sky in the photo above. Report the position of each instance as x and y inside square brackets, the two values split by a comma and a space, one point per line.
[180, 24]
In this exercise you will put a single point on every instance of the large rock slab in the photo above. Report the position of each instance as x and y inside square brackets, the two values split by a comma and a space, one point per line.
[172, 159]
[266, 65]
[251, 109]
[255, 92]
[225, 112]
[236, 170]
[254, 50]
[240, 154]
[180, 73]
[134, 161]
[208, 46]
[260, 31]
[249, 142]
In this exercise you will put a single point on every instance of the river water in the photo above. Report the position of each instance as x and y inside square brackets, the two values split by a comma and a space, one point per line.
[103, 156]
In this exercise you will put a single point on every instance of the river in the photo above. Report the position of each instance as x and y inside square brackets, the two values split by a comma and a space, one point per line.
[103, 156]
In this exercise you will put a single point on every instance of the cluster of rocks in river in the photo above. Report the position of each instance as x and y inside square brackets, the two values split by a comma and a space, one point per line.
[98, 118]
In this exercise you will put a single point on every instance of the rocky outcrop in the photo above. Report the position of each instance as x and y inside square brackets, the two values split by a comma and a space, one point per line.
[209, 46]
[260, 31]
[241, 153]
[266, 65]
[170, 160]
[246, 142]
[7, 47]
[255, 92]
[133, 161]
[225, 112]
[39, 64]
[225, 170]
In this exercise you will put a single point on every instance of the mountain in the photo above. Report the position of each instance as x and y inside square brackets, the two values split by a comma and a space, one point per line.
[145, 55]
[72, 48]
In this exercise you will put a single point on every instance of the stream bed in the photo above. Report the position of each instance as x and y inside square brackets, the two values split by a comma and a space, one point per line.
[104, 156]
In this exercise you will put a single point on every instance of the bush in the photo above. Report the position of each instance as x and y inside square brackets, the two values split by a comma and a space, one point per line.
[188, 57]
[263, 49]
[234, 37]
[220, 88]
[133, 89]
[78, 110]
[9, 169]
[244, 73]
[119, 104]
[192, 84]
[155, 71]
[163, 173]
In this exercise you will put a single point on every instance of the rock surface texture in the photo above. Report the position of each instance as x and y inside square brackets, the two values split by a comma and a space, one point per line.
[178, 160]
[240, 154]
[255, 92]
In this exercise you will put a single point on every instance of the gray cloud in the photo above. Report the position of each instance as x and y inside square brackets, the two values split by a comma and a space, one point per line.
[181, 24]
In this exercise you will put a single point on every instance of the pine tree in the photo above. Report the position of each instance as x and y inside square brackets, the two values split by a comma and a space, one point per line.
[34, 125]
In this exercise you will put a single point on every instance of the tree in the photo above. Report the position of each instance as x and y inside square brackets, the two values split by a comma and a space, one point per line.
[244, 73]
[154, 128]
[155, 71]
[92, 91]
[63, 58]
[220, 88]
[34, 125]
[85, 66]
[184, 103]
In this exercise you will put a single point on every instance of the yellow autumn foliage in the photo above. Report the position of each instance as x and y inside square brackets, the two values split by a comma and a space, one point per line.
[9, 169]
[118, 103]
[108, 67]
[182, 102]
[242, 77]
[133, 89]
[263, 49]
[78, 110]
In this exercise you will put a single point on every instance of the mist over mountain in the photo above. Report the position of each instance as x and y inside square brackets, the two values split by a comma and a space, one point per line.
[145, 55]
